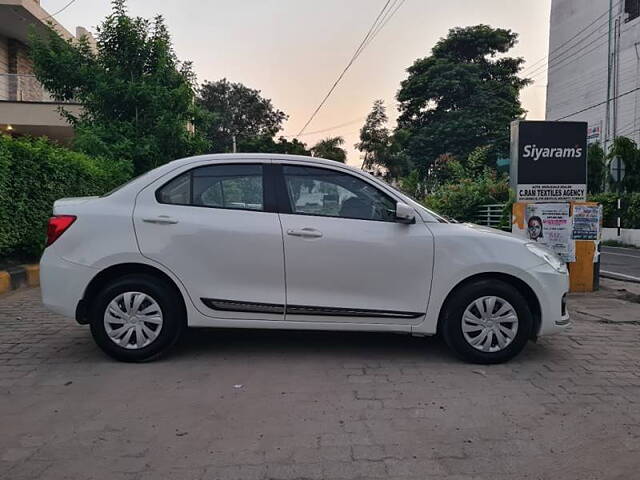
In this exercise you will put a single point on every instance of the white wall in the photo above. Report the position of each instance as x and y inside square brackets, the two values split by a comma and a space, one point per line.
[578, 77]
[628, 235]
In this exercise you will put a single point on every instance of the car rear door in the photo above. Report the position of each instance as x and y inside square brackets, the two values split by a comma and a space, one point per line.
[215, 227]
[347, 258]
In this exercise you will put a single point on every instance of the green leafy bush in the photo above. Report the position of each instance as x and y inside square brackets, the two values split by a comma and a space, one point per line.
[461, 200]
[629, 211]
[33, 174]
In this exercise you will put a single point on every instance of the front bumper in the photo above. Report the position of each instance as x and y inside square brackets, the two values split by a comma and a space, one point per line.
[551, 289]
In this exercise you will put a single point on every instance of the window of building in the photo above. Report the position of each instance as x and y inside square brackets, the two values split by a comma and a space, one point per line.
[329, 193]
[632, 9]
[217, 186]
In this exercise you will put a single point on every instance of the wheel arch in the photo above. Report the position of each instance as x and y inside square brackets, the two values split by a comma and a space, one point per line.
[527, 292]
[116, 271]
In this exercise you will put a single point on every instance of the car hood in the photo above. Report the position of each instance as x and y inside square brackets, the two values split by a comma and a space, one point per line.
[484, 230]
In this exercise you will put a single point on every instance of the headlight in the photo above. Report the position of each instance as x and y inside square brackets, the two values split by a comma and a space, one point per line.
[551, 258]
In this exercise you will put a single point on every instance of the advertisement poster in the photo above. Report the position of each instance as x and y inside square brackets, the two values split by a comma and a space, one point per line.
[550, 225]
[586, 222]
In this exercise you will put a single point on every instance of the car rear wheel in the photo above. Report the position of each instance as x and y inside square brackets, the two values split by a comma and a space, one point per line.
[487, 321]
[136, 318]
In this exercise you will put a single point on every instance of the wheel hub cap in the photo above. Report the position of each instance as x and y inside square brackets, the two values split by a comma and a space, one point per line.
[489, 324]
[133, 320]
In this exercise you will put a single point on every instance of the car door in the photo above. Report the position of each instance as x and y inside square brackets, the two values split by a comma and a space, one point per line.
[347, 259]
[215, 228]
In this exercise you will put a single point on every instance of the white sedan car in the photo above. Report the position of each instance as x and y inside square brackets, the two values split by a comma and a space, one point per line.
[281, 241]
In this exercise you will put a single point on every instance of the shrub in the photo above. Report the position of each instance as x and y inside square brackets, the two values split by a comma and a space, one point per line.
[33, 174]
[461, 200]
[629, 211]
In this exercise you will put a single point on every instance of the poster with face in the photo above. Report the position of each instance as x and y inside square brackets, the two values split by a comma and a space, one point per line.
[550, 224]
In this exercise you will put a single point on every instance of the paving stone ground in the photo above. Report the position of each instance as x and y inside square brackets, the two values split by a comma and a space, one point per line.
[298, 405]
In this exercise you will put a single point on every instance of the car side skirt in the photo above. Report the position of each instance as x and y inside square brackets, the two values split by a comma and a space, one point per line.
[307, 310]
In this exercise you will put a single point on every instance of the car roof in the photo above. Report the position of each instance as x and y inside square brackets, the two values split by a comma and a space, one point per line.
[260, 156]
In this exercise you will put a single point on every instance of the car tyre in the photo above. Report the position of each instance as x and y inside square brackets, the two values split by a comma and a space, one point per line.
[467, 318]
[155, 313]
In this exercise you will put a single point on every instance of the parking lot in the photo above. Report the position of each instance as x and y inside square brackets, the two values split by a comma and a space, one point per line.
[289, 405]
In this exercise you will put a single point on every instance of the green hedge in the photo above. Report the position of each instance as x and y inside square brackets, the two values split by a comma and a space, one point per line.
[629, 212]
[33, 174]
[460, 200]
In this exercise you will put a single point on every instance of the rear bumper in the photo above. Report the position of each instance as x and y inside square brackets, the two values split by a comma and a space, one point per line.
[63, 283]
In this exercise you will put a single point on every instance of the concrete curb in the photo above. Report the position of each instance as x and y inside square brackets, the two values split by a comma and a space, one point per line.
[620, 277]
[18, 277]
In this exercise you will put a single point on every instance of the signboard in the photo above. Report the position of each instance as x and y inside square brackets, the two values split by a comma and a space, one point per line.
[549, 160]
[549, 224]
[594, 133]
[586, 222]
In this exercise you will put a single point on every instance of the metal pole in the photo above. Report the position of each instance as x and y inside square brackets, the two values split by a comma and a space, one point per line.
[607, 127]
[234, 143]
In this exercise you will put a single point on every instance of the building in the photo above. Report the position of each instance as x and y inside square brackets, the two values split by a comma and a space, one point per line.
[25, 106]
[594, 66]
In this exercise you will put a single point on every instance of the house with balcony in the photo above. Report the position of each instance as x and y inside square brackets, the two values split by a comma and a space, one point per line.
[26, 108]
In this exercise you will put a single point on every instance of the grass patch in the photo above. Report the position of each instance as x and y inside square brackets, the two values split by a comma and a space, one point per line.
[616, 243]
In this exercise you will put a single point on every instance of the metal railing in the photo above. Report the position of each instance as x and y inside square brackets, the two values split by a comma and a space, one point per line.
[18, 87]
[491, 215]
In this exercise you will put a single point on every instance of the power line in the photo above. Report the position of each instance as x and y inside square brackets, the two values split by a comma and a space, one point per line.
[597, 104]
[550, 64]
[351, 122]
[59, 11]
[384, 21]
[577, 34]
[356, 54]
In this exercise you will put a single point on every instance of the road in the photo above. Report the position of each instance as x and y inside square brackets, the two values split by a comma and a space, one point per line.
[243, 405]
[622, 263]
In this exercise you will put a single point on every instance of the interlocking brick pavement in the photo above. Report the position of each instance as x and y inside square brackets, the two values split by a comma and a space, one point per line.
[301, 405]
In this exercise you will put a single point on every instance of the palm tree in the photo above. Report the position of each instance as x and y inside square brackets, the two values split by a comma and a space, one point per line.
[329, 148]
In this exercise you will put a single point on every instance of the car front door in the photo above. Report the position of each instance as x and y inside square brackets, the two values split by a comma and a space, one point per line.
[347, 259]
[215, 228]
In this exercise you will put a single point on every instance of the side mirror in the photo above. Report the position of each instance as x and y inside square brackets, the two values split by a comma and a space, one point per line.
[404, 213]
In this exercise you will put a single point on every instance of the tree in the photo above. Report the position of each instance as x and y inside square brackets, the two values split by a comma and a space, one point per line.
[137, 98]
[461, 96]
[374, 137]
[240, 112]
[264, 144]
[627, 150]
[330, 148]
[596, 169]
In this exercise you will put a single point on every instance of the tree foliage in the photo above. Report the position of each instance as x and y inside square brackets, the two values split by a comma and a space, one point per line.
[627, 150]
[137, 98]
[266, 144]
[596, 169]
[463, 96]
[331, 149]
[375, 138]
[240, 111]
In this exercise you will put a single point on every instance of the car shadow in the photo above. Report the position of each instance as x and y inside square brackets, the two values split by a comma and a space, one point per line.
[319, 345]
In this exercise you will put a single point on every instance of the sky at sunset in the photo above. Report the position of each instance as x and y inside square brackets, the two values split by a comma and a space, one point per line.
[293, 50]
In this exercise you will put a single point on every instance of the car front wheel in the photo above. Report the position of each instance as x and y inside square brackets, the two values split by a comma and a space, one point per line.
[487, 321]
[136, 318]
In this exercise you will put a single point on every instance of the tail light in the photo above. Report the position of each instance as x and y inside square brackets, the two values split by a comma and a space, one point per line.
[57, 226]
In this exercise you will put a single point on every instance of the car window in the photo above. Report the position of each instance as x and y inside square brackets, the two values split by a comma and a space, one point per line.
[319, 191]
[218, 186]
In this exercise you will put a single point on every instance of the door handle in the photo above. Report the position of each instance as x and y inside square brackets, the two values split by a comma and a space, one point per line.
[161, 220]
[305, 233]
